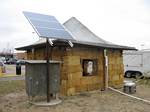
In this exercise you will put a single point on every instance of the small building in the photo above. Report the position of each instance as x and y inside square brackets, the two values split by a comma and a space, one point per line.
[83, 66]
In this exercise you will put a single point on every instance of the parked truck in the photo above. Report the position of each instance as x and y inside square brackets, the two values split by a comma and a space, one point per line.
[136, 63]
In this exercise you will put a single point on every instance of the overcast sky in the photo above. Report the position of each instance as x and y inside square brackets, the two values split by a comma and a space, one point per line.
[125, 22]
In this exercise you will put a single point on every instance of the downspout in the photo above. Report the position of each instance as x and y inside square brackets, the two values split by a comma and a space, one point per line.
[106, 70]
[33, 53]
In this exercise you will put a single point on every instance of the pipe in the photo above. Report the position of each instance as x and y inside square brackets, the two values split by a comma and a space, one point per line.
[134, 97]
[106, 68]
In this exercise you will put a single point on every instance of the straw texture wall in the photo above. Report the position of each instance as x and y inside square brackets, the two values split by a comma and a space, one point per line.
[115, 68]
[72, 79]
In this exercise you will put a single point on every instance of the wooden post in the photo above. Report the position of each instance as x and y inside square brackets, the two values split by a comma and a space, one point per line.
[104, 73]
[47, 69]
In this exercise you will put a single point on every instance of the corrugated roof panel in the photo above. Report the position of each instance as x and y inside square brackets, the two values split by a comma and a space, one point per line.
[81, 32]
[83, 35]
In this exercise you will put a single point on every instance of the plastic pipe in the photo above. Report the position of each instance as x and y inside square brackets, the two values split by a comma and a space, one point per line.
[131, 96]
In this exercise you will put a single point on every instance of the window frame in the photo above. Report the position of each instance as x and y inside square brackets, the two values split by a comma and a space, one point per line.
[95, 67]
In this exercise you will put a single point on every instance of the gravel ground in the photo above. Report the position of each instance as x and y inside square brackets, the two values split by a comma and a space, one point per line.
[11, 73]
[97, 101]
[11, 70]
[106, 101]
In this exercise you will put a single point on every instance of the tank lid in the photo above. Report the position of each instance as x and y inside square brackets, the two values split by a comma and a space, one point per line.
[42, 61]
[129, 84]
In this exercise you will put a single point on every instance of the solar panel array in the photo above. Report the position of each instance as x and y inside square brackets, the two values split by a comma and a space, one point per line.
[47, 26]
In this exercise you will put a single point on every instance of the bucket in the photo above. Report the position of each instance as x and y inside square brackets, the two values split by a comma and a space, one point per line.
[129, 88]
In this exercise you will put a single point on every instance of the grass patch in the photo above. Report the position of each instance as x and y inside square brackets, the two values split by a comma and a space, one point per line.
[12, 75]
[7, 87]
[144, 81]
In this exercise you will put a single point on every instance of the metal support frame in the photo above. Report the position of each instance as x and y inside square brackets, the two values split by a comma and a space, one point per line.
[70, 43]
[47, 65]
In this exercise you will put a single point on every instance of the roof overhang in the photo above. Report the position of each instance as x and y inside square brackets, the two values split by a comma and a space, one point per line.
[76, 43]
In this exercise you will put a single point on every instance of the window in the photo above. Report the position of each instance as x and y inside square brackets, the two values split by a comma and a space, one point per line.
[89, 67]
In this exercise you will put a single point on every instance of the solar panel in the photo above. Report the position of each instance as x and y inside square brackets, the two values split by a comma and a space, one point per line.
[47, 26]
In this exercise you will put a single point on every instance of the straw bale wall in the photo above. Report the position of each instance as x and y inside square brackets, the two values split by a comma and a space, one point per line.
[115, 68]
[72, 79]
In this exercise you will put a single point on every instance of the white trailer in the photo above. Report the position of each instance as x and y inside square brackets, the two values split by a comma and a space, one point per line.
[136, 63]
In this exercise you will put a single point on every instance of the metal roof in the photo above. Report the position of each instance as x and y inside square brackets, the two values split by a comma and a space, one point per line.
[82, 35]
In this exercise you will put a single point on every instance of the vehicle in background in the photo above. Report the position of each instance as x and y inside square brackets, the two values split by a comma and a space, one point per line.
[22, 62]
[136, 63]
[3, 59]
[11, 61]
[2, 65]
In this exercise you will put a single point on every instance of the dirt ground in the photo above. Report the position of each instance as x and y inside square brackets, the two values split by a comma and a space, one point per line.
[97, 101]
